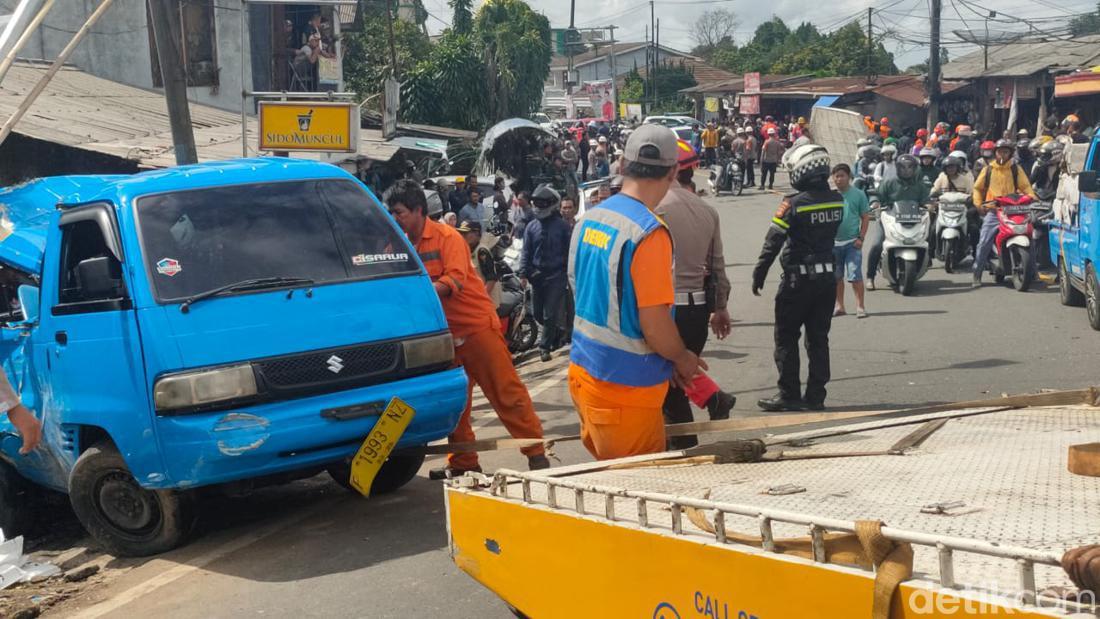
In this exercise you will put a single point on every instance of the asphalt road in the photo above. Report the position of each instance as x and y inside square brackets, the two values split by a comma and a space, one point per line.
[310, 550]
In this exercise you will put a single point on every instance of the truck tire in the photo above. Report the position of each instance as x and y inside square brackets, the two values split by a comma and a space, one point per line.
[126, 519]
[1067, 293]
[1092, 297]
[397, 470]
[16, 511]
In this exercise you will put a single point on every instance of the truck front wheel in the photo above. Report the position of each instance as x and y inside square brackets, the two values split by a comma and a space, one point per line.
[125, 518]
[398, 470]
[15, 508]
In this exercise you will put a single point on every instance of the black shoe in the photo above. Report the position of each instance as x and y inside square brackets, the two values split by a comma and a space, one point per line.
[778, 403]
[719, 405]
[450, 473]
[537, 463]
[815, 406]
[545, 355]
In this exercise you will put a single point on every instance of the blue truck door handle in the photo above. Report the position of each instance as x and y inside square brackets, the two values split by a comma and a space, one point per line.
[61, 338]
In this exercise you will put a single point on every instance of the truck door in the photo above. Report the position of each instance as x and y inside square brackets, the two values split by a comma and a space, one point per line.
[1081, 224]
[90, 338]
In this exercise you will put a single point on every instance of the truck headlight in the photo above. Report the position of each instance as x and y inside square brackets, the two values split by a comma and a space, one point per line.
[191, 389]
[429, 351]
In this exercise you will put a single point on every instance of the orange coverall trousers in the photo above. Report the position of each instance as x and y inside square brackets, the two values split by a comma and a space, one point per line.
[488, 364]
[610, 429]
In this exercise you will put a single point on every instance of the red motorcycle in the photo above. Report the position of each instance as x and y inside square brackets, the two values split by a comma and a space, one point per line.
[1013, 254]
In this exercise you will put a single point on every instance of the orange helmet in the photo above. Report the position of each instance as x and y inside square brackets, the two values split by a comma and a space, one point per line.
[884, 121]
[687, 157]
[922, 133]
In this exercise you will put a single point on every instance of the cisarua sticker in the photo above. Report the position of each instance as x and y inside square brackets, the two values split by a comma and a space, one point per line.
[365, 259]
[169, 267]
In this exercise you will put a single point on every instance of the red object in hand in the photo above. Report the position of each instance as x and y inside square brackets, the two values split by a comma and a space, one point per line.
[701, 390]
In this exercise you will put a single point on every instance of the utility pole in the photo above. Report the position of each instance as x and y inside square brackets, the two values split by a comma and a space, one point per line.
[985, 44]
[166, 33]
[614, 76]
[656, 60]
[870, 46]
[653, 65]
[393, 46]
[934, 67]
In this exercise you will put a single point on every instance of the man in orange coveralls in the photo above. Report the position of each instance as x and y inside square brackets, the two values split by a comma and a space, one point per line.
[626, 347]
[479, 346]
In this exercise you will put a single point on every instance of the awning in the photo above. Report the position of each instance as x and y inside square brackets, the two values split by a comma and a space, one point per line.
[825, 101]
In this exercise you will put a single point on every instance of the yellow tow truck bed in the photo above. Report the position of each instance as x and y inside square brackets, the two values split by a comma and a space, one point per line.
[985, 502]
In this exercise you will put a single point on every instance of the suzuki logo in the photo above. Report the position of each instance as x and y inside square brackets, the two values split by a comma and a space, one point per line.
[335, 364]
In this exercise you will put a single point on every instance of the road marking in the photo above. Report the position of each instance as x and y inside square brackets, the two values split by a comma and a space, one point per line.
[136, 592]
[547, 383]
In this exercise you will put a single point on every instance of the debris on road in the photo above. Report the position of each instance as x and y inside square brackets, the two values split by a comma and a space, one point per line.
[15, 568]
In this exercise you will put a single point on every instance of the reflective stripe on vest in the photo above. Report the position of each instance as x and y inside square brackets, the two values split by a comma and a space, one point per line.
[607, 334]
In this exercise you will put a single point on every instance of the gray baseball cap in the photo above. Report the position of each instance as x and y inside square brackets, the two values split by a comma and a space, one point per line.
[657, 136]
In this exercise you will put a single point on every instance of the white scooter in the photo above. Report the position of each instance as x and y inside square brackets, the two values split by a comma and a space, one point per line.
[952, 232]
[905, 255]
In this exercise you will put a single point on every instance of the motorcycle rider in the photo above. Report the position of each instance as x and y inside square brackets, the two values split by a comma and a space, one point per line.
[986, 156]
[953, 177]
[928, 170]
[868, 155]
[1045, 175]
[907, 187]
[481, 251]
[886, 168]
[1001, 177]
[544, 261]
[1023, 153]
[803, 229]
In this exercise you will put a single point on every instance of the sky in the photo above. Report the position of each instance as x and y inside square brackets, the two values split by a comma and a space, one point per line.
[906, 20]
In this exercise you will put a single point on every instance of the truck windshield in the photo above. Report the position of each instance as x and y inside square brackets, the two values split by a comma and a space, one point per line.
[321, 230]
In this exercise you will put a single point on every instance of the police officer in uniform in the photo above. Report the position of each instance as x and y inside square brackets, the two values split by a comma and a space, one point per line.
[803, 229]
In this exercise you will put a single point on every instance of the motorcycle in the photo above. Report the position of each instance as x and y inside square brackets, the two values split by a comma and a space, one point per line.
[517, 321]
[952, 232]
[1013, 250]
[728, 175]
[905, 255]
[516, 313]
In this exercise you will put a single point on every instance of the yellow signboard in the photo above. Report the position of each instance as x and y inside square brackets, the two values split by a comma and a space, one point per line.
[309, 126]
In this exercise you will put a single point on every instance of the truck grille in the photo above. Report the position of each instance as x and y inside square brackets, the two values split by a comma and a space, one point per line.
[331, 366]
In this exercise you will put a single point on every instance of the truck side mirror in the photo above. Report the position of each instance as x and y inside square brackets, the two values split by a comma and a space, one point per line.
[1086, 181]
[28, 301]
[99, 277]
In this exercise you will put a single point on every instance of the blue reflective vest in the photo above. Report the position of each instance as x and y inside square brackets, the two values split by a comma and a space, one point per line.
[607, 335]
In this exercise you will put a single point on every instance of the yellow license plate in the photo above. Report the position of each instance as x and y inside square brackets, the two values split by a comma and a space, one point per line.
[379, 444]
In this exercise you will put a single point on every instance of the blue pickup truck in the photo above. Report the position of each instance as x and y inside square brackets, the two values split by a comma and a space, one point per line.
[240, 323]
[1075, 241]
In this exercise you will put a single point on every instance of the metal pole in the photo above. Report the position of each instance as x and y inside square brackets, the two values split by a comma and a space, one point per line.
[29, 100]
[934, 67]
[244, 87]
[393, 47]
[870, 44]
[614, 77]
[653, 63]
[9, 58]
[656, 60]
[175, 82]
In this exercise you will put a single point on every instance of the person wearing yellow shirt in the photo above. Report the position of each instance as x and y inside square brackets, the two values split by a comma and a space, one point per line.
[710, 144]
[1001, 177]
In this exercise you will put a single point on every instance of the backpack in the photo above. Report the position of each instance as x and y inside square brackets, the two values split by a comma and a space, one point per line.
[987, 171]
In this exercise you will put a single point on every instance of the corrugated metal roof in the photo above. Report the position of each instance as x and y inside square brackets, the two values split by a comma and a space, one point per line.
[1024, 58]
[737, 84]
[83, 111]
[621, 47]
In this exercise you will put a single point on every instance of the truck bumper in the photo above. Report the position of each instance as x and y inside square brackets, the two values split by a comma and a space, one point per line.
[272, 438]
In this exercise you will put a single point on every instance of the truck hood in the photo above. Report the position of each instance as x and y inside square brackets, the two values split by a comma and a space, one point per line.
[272, 323]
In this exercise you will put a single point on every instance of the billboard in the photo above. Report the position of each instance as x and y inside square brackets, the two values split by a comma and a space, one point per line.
[309, 126]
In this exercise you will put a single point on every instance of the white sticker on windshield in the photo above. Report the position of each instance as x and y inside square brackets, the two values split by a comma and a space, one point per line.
[365, 259]
[169, 266]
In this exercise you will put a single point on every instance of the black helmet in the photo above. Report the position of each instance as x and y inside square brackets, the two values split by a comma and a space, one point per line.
[1002, 143]
[545, 201]
[952, 160]
[907, 167]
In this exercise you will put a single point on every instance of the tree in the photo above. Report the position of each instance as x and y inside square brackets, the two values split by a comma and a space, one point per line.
[713, 29]
[775, 48]
[922, 68]
[515, 43]
[463, 20]
[367, 52]
[1089, 23]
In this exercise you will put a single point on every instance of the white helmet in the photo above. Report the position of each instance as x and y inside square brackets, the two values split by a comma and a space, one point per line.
[889, 149]
[961, 156]
[807, 163]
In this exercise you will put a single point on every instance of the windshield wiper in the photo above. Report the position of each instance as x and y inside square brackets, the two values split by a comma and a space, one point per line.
[257, 283]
